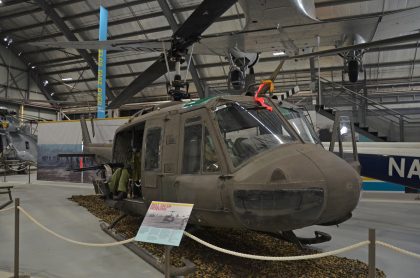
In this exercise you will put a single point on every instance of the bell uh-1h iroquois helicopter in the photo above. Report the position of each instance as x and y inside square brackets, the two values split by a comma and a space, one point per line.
[240, 164]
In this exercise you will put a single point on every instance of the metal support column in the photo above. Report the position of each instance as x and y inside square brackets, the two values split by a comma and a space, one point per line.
[402, 138]
[28, 86]
[364, 108]
[313, 78]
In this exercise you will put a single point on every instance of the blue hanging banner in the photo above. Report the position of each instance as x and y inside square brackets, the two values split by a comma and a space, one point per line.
[103, 29]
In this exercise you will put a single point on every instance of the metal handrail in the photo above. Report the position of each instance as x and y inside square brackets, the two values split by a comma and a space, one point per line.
[328, 82]
[372, 111]
[406, 119]
[375, 103]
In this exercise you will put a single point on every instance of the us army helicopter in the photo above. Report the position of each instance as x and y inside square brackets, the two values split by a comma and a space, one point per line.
[242, 165]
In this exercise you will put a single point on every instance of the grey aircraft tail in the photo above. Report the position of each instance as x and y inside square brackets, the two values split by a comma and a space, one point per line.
[103, 152]
[85, 132]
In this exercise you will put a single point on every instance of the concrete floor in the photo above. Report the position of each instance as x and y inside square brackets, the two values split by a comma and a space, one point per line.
[396, 216]
[43, 255]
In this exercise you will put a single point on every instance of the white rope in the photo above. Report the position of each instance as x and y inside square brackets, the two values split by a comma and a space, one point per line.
[399, 250]
[71, 240]
[269, 258]
[6, 209]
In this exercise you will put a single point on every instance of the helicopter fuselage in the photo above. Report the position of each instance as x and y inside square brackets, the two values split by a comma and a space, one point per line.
[241, 165]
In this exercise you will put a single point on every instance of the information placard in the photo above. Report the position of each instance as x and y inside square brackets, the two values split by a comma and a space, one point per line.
[164, 223]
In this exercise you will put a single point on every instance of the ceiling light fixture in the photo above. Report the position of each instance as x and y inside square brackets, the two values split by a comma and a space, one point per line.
[67, 79]
[279, 53]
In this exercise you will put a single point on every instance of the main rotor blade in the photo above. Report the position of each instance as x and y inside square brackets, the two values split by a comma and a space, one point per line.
[205, 14]
[367, 45]
[123, 45]
[277, 71]
[156, 70]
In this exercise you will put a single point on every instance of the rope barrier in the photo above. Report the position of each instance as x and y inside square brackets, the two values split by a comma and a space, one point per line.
[71, 240]
[399, 250]
[287, 258]
[222, 250]
[6, 209]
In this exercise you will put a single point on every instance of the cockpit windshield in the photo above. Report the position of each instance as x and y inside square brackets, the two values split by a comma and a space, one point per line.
[301, 125]
[249, 129]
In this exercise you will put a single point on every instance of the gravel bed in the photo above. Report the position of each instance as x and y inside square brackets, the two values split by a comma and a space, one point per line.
[210, 263]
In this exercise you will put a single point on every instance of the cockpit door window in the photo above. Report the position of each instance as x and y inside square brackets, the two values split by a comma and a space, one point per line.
[191, 160]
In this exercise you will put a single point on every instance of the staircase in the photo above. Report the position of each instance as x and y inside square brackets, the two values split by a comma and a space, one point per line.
[371, 119]
[364, 130]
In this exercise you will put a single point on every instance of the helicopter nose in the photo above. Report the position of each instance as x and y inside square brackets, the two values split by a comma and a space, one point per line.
[343, 186]
[295, 186]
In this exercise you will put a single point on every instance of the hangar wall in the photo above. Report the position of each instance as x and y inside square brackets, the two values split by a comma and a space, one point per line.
[17, 86]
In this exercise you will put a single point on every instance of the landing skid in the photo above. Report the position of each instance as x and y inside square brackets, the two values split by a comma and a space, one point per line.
[291, 237]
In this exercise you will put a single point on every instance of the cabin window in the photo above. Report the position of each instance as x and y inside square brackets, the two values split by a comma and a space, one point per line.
[27, 145]
[153, 149]
[122, 146]
[191, 159]
[210, 160]
[302, 126]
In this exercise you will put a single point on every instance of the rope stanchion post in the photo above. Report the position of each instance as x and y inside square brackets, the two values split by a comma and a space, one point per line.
[16, 267]
[29, 173]
[5, 170]
[372, 253]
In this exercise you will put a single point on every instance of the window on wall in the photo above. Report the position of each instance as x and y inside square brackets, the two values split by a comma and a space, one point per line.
[191, 160]
[153, 149]
[27, 145]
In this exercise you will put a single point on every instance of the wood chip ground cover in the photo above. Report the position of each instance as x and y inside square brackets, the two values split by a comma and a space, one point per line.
[210, 263]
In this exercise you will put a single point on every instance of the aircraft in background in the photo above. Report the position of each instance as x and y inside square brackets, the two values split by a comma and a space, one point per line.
[17, 143]
[393, 162]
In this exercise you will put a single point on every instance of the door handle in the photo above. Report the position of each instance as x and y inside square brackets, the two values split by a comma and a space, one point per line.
[225, 177]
